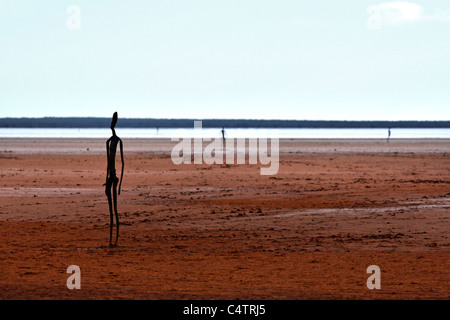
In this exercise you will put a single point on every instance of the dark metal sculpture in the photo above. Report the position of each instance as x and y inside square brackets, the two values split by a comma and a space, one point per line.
[111, 177]
[223, 134]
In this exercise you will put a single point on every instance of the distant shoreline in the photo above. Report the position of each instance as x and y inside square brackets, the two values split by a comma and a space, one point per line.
[93, 122]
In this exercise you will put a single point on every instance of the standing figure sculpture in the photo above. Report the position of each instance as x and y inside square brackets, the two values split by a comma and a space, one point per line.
[223, 134]
[111, 178]
[223, 139]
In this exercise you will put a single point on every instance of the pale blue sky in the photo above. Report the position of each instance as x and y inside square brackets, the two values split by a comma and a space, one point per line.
[260, 59]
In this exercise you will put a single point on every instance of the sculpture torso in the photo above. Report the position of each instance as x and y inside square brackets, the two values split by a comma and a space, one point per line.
[113, 142]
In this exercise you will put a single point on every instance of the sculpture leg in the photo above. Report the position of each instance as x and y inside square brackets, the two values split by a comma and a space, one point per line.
[108, 194]
[115, 208]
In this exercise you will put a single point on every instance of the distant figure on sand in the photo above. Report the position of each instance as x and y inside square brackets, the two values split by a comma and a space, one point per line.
[111, 178]
[389, 134]
[223, 134]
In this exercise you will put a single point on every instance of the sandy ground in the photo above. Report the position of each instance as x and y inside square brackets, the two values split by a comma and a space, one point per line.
[225, 231]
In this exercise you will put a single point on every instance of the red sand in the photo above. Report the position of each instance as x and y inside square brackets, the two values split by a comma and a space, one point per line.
[224, 231]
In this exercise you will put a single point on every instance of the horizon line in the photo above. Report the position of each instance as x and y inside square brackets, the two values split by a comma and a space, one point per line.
[218, 119]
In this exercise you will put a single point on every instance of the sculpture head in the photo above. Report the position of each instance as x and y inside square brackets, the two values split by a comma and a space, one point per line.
[114, 120]
[113, 123]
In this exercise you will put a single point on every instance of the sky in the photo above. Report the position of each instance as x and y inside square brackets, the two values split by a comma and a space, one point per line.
[233, 59]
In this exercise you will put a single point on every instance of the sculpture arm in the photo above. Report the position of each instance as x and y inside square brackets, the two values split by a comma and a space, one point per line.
[107, 157]
[123, 164]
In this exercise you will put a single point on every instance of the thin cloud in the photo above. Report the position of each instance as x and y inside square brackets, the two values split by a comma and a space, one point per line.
[402, 12]
[395, 13]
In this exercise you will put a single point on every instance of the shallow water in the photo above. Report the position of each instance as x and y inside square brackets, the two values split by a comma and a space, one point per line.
[230, 133]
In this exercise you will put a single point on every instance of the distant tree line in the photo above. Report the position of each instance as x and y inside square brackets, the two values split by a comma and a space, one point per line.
[53, 122]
